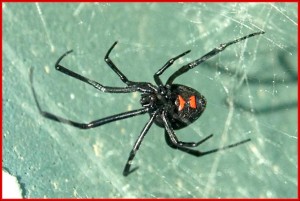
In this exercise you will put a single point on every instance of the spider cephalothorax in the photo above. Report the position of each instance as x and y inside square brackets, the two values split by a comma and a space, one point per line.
[170, 106]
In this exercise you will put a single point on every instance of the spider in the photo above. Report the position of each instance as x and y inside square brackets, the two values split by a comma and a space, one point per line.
[170, 106]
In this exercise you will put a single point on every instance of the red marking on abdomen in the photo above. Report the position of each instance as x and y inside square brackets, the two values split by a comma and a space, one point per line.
[192, 102]
[181, 103]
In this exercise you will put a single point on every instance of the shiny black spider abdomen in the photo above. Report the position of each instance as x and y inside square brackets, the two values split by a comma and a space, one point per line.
[183, 105]
[170, 106]
[190, 105]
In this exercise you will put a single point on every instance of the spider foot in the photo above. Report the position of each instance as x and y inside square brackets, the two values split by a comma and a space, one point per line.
[57, 66]
[127, 171]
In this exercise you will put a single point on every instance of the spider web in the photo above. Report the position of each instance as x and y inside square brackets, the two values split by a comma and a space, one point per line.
[251, 89]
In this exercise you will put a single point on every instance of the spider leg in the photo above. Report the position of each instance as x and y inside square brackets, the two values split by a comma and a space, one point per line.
[92, 124]
[172, 136]
[136, 146]
[200, 153]
[167, 65]
[173, 142]
[144, 87]
[88, 81]
[210, 54]
[114, 67]
[135, 86]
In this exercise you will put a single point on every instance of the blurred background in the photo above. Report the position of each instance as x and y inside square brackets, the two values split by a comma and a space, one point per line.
[251, 89]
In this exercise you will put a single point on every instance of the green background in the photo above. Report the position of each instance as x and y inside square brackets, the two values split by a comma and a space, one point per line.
[251, 89]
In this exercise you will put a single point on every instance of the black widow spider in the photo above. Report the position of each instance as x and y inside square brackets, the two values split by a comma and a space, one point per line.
[170, 106]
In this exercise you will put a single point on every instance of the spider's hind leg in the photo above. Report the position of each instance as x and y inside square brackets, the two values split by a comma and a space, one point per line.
[166, 66]
[185, 149]
[200, 153]
[207, 56]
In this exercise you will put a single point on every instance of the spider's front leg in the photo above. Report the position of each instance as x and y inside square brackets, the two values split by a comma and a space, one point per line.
[80, 125]
[95, 84]
[143, 87]
[132, 86]
[111, 64]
